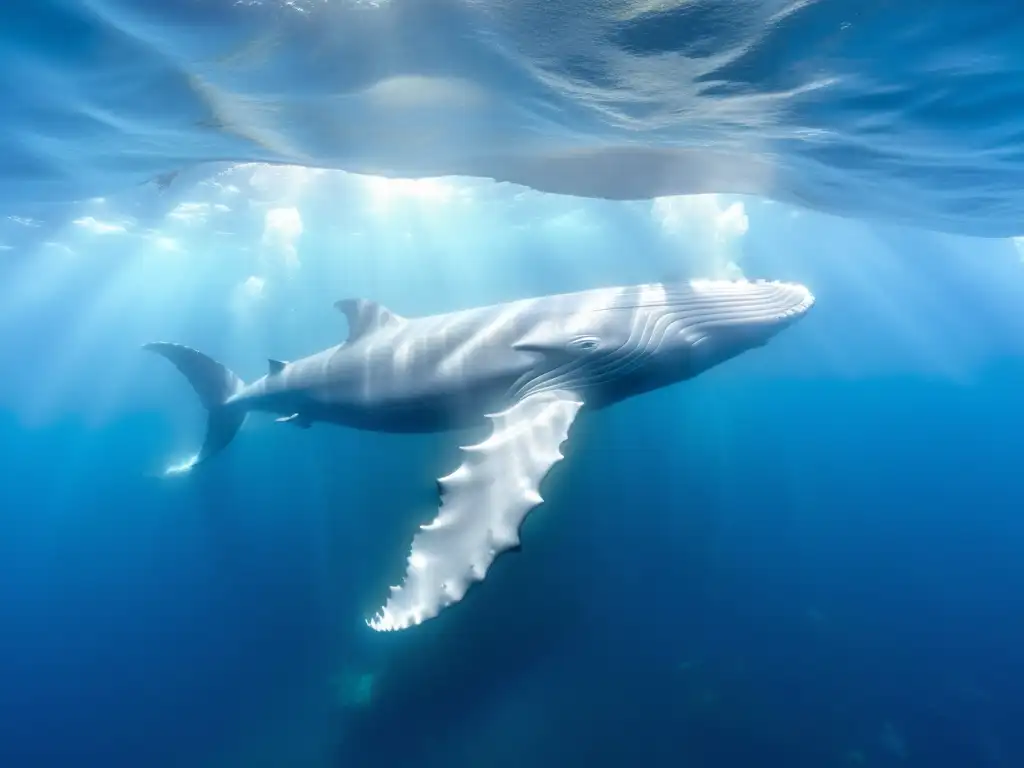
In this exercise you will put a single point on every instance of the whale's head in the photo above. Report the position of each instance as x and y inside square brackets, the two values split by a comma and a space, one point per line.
[704, 322]
[613, 343]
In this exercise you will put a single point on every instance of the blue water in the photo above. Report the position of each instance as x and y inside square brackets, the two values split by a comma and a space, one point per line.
[807, 557]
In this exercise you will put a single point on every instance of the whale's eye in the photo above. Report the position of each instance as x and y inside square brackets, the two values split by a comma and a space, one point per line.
[585, 343]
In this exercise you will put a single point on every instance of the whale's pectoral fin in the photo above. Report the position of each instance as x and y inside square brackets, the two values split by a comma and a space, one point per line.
[483, 505]
[297, 419]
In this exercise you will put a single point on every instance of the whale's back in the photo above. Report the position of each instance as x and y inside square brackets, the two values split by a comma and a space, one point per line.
[422, 374]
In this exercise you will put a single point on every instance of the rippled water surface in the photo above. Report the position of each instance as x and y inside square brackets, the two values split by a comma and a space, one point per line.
[905, 111]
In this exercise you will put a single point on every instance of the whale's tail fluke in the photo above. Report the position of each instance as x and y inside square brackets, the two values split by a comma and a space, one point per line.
[215, 385]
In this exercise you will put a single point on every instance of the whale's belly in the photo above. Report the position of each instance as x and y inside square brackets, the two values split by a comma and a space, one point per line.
[435, 412]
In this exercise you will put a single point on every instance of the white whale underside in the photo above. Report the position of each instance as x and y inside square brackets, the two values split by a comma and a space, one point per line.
[528, 366]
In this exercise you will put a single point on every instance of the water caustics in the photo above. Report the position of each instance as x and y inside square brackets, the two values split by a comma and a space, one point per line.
[863, 109]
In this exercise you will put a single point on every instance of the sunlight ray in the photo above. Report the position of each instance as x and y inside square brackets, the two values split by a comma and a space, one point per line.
[136, 298]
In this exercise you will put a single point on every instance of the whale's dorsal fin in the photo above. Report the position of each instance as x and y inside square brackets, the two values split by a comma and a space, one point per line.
[275, 366]
[483, 504]
[365, 316]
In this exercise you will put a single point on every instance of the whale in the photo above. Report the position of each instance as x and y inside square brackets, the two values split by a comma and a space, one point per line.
[529, 368]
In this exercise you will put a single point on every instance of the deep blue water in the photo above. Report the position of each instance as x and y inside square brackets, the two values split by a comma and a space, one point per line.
[807, 557]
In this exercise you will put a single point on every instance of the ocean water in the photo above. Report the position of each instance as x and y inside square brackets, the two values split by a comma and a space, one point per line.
[806, 557]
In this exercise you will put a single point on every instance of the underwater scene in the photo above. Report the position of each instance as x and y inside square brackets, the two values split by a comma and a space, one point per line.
[493, 383]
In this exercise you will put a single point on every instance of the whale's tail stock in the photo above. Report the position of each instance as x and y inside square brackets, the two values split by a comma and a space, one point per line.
[215, 385]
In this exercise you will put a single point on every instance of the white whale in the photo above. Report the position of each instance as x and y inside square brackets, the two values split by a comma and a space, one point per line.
[529, 366]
